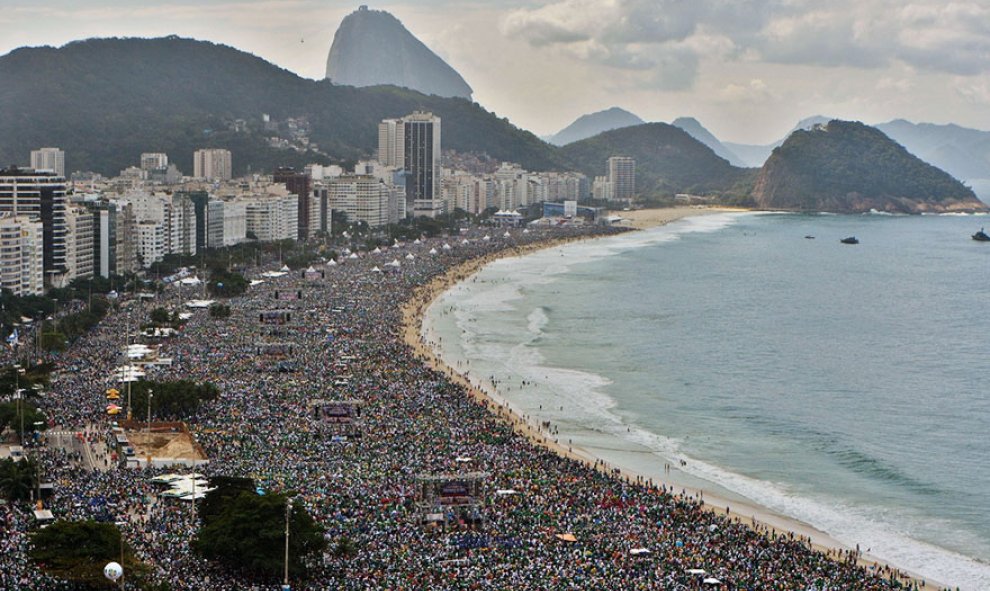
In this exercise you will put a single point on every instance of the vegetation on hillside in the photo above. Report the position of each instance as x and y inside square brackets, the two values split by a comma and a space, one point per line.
[844, 163]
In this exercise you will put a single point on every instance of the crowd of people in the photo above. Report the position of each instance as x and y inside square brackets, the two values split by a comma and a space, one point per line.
[565, 524]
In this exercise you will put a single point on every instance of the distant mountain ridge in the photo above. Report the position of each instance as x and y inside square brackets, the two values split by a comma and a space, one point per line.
[592, 124]
[698, 132]
[849, 167]
[372, 47]
[755, 155]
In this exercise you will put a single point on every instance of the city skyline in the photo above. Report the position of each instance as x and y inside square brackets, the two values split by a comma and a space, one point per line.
[747, 71]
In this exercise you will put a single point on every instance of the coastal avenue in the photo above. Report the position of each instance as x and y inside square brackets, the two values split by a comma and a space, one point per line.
[546, 519]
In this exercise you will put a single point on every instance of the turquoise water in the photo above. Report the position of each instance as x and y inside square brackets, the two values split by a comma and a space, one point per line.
[845, 386]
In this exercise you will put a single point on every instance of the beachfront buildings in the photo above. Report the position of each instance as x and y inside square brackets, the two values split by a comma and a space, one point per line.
[41, 196]
[21, 255]
[363, 198]
[621, 178]
[413, 145]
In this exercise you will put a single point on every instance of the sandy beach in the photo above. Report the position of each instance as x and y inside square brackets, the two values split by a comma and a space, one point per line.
[759, 518]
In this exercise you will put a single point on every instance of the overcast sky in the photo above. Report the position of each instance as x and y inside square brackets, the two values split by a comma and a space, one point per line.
[747, 69]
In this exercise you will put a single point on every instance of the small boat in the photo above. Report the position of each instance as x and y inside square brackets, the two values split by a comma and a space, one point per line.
[981, 236]
[809, 237]
[849, 240]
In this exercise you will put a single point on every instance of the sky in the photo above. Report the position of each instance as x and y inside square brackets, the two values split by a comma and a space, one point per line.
[747, 69]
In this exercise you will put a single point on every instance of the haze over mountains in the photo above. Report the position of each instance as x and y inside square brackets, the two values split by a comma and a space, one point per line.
[177, 95]
[372, 47]
[593, 124]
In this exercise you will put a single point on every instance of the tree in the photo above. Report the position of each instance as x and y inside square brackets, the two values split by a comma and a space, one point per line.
[160, 317]
[175, 400]
[77, 551]
[249, 535]
[219, 311]
[226, 284]
[33, 419]
[17, 478]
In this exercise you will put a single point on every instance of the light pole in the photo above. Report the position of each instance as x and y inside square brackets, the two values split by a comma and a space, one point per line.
[288, 511]
[150, 396]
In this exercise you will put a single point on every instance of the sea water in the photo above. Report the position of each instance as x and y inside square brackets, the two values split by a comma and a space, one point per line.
[846, 386]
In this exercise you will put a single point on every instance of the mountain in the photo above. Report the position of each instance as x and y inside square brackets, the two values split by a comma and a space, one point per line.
[105, 101]
[593, 124]
[372, 48]
[964, 153]
[849, 167]
[756, 155]
[698, 132]
[668, 161]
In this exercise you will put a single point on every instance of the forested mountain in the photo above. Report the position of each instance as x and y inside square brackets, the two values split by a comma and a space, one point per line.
[700, 133]
[668, 161]
[848, 167]
[104, 101]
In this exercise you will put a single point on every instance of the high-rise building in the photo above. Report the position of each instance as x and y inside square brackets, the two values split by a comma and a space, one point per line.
[421, 152]
[49, 160]
[40, 196]
[21, 255]
[214, 223]
[299, 184]
[79, 244]
[391, 145]
[212, 164]
[622, 177]
[114, 243]
[154, 161]
[363, 198]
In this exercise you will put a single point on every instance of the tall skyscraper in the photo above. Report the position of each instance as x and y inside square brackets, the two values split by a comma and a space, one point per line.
[212, 164]
[49, 159]
[421, 154]
[40, 196]
[622, 177]
[21, 255]
[298, 184]
[390, 143]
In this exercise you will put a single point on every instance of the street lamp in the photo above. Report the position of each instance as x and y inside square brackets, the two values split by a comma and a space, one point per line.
[151, 395]
[288, 511]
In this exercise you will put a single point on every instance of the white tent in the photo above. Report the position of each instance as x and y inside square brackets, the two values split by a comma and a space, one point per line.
[446, 246]
[410, 256]
[433, 251]
[257, 282]
[417, 241]
[506, 492]
[696, 571]
[353, 255]
[487, 238]
[273, 274]
[331, 263]
[190, 281]
[639, 551]
[377, 250]
[712, 581]
[395, 263]
[465, 241]
[506, 235]
[310, 269]
[526, 231]
[197, 304]
[285, 268]
[376, 270]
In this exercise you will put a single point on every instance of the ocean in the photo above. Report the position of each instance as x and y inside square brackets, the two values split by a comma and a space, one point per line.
[844, 386]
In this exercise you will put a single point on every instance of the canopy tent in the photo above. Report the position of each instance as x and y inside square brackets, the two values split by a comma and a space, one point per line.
[273, 274]
[487, 238]
[506, 235]
[376, 269]
[190, 281]
[696, 571]
[331, 263]
[256, 282]
[198, 304]
[433, 251]
[410, 256]
[506, 492]
[377, 250]
[639, 551]
[712, 581]
[353, 255]
[446, 246]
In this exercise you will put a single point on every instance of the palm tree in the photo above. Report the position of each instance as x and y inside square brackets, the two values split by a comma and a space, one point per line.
[17, 478]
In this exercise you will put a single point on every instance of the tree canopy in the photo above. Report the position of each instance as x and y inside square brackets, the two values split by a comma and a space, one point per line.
[248, 534]
[77, 551]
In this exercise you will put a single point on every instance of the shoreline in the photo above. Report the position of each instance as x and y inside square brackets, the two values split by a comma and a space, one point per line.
[763, 520]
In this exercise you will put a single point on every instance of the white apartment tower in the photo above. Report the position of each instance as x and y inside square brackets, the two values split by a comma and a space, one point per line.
[622, 177]
[212, 164]
[412, 144]
[21, 255]
[48, 160]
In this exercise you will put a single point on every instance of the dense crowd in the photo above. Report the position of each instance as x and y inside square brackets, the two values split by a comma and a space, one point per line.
[346, 333]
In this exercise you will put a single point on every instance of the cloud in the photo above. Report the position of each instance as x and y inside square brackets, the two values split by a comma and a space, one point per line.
[668, 40]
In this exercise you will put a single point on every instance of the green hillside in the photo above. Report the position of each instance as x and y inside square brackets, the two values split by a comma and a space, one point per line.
[850, 167]
[668, 161]
[104, 101]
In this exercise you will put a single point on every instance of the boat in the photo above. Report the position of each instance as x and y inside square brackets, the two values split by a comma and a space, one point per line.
[981, 236]
[809, 237]
[849, 240]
